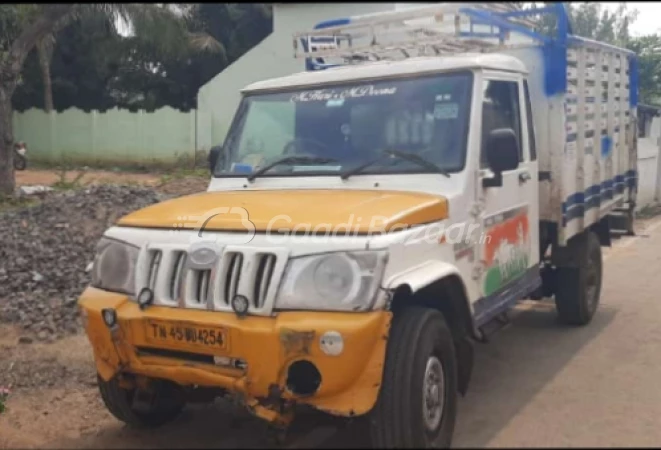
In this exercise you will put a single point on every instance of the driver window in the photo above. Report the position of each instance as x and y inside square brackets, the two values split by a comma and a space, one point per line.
[500, 109]
[269, 127]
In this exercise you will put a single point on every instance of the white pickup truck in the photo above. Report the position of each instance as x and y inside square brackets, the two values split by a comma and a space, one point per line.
[372, 217]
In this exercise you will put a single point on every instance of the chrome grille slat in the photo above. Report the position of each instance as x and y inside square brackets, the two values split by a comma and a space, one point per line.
[176, 279]
[249, 271]
[231, 284]
[203, 285]
[263, 278]
[154, 263]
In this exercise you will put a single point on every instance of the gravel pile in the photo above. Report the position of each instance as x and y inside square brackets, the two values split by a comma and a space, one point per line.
[45, 250]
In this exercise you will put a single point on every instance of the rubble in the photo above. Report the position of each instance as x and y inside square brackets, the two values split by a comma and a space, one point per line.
[45, 250]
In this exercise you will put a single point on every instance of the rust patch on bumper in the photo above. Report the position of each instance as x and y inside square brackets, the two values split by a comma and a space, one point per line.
[296, 342]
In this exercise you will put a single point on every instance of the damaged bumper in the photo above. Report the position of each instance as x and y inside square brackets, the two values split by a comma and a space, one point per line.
[330, 360]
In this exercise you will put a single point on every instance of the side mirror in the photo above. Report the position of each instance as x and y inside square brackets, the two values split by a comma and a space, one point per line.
[502, 151]
[214, 154]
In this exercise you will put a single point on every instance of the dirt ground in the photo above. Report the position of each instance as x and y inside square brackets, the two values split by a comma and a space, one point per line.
[178, 184]
[536, 384]
[48, 177]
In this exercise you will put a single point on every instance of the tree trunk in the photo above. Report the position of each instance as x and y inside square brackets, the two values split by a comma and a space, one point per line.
[45, 53]
[7, 182]
[43, 25]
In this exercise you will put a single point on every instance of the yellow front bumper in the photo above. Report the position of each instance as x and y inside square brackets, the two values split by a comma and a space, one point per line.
[350, 381]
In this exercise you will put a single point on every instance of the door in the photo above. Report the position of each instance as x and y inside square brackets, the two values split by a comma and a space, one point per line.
[509, 215]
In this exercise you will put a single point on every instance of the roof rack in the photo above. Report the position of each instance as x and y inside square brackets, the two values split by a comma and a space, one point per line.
[441, 29]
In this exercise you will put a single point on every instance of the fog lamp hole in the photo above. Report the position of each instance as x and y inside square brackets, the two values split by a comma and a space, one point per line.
[303, 378]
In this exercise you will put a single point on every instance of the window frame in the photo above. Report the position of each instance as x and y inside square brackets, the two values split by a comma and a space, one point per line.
[532, 138]
[515, 81]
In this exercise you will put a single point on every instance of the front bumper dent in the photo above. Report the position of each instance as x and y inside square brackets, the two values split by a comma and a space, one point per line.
[350, 381]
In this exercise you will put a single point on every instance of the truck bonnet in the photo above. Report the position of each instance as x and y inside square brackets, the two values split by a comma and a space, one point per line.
[269, 211]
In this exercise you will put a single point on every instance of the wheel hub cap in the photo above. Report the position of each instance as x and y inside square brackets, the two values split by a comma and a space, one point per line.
[433, 393]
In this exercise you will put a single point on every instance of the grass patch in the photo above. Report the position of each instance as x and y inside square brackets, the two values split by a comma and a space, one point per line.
[179, 174]
[62, 184]
[8, 202]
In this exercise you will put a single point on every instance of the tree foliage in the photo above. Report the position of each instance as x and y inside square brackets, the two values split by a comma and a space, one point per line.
[648, 49]
[25, 27]
[93, 67]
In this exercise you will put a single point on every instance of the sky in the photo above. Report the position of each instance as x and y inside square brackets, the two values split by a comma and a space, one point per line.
[649, 16]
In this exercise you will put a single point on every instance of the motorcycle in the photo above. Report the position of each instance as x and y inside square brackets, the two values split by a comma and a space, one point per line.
[20, 156]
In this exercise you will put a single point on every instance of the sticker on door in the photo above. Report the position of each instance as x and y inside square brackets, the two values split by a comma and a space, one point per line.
[507, 248]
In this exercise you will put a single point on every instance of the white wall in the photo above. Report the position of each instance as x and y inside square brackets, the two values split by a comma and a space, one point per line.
[648, 165]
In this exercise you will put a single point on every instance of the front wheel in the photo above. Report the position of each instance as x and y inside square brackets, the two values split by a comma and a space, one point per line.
[417, 402]
[160, 404]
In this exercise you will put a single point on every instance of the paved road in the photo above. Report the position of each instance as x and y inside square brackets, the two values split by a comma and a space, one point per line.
[536, 384]
[542, 384]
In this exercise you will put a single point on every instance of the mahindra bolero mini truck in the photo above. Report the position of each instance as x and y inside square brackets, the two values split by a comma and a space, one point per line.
[365, 225]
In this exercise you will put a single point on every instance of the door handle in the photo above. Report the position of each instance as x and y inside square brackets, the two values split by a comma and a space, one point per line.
[524, 176]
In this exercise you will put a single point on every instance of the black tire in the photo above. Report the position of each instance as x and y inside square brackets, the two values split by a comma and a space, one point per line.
[397, 420]
[20, 163]
[578, 284]
[167, 403]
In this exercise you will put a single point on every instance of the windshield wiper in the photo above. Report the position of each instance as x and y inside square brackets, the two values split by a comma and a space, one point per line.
[291, 160]
[419, 160]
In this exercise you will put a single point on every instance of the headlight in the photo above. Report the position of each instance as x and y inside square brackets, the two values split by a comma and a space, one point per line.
[114, 266]
[335, 281]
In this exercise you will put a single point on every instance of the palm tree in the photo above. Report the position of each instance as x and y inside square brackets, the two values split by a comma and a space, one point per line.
[26, 26]
[196, 42]
[45, 47]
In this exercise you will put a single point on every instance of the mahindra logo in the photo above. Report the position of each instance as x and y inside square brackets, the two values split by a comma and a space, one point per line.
[203, 254]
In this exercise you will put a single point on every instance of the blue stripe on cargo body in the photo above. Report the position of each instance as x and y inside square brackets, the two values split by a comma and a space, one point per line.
[607, 190]
[592, 190]
[573, 199]
[577, 203]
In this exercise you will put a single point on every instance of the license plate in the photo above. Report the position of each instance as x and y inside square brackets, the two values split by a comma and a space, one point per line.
[186, 333]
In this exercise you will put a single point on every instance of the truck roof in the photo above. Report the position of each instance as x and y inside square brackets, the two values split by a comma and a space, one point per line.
[387, 69]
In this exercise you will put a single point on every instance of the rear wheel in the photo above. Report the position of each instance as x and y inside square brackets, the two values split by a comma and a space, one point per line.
[138, 408]
[578, 282]
[417, 402]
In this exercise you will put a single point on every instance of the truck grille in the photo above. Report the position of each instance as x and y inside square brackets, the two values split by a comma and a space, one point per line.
[253, 273]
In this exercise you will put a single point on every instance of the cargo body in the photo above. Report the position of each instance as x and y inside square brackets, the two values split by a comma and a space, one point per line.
[586, 136]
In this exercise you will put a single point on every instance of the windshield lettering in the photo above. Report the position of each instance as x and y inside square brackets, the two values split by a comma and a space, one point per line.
[324, 95]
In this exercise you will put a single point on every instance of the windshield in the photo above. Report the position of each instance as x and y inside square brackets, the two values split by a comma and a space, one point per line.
[336, 128]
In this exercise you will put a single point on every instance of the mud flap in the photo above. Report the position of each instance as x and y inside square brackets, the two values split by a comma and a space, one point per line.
[464, 351]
